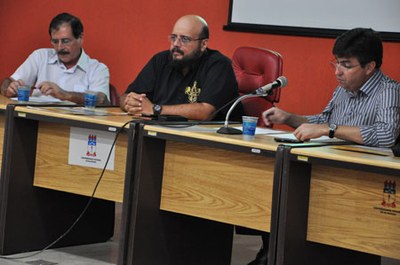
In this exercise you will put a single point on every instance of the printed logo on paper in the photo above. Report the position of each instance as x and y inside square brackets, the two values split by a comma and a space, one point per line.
[388, 203]
[91, 145]
[389, 194]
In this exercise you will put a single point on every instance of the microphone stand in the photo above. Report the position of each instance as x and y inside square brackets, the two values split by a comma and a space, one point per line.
[229, 130]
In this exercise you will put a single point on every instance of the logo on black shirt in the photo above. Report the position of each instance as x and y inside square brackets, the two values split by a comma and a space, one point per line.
[193, 92]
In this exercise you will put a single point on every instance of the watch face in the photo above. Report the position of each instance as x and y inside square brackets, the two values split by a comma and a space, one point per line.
[157, 109]
[332, 126]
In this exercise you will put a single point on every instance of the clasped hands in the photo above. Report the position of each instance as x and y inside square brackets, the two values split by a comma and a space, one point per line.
[136, 104]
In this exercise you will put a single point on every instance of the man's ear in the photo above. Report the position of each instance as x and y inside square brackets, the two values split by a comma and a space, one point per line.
[204, 45]
[370, 67]
[80, 39]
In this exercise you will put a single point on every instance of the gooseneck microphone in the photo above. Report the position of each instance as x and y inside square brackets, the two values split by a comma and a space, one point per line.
[259, 92]
[279, 82]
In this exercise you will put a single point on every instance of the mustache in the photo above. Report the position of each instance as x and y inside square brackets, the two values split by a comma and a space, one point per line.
[176, 49]
[62, 52]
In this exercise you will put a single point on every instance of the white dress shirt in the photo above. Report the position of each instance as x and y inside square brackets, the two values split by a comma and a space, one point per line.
[43, 65]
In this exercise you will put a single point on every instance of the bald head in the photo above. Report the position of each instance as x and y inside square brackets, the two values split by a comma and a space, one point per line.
[194, 24]
[189, 41]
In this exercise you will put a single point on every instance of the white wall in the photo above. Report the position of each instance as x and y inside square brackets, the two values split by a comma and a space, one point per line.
[381, 15]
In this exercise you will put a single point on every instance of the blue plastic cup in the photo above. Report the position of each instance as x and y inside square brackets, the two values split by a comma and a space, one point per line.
[249, 127]
[23, 93]
[90, 99]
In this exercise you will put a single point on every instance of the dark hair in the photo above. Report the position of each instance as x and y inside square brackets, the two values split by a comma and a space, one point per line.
[204, 34]
[363, 43]
[74, 22]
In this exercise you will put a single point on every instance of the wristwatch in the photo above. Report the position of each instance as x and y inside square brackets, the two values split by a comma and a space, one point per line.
[332, 129]
[157, 109]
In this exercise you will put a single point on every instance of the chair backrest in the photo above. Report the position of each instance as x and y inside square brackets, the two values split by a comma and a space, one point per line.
[255, 67]
[114, 96]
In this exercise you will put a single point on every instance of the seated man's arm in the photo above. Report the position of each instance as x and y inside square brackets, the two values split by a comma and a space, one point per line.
[100, 82]
[52, 89]
[386, 127]
[136, 104]
[381, 132]
[4, 86]
[98, 77]
[9, 87]
[193, 111]
[307, 131]
[349, 133]
[275, 115]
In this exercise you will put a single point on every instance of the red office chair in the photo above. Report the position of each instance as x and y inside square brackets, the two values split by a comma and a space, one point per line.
[255, 67]
[114, 96]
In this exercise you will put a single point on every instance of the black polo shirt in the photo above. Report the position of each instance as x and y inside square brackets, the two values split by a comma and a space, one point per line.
[210, 80]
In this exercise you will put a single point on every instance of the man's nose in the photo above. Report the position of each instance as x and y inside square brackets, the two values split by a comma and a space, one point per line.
[338, 71]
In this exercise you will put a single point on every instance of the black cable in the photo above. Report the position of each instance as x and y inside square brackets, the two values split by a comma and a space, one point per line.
[179, 126]
[233, 100]
[83, 211]
[224, 106]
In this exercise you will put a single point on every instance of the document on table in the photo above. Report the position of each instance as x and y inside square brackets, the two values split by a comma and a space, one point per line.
[38, 97]
[383, 151]
[261, 131]
[81, 111]
[323, 139]
[194, 126]
[43, 99]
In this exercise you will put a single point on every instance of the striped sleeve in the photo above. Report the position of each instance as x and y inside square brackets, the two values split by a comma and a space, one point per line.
[386, 126]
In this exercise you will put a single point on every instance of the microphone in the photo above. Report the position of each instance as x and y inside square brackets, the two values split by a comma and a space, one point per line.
[279, 82]
[260, 92]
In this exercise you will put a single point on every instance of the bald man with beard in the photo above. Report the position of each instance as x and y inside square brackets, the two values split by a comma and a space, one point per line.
[188, 80]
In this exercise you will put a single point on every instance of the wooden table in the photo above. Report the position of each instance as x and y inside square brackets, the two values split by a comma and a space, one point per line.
[41, 194]
[52, 170]
[3, 105]
[184, 189]
[336, 198]
[191, 186]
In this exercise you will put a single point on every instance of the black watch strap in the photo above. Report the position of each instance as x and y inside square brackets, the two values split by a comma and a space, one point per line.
[332, 129]
[157, 109]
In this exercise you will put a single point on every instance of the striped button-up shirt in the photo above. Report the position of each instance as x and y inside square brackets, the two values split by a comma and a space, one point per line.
[375, 109]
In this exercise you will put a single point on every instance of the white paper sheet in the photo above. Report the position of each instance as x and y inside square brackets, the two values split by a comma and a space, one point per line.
[322, 139]
[90, 148]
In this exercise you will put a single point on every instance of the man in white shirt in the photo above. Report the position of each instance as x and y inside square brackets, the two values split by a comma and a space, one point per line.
[65, 71]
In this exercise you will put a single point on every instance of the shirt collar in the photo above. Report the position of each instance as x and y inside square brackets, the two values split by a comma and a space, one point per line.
[369, 86]
[53, 58]
[82, 62]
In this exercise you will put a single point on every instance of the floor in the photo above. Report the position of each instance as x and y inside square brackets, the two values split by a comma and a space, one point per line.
[244, 250]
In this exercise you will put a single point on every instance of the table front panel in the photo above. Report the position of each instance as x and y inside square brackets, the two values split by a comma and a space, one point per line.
[218, 184]
[53, 171]
[2, 121]
[355, 209]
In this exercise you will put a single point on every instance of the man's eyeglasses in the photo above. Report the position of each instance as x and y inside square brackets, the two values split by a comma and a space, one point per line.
[184, 40]
[342, 66]
[64, 42]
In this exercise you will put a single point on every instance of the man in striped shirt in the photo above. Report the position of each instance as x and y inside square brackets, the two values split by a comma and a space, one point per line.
[365, 107]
